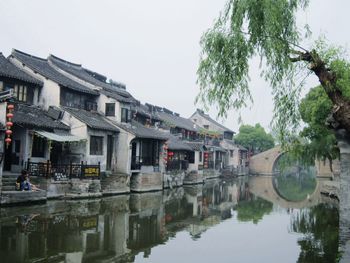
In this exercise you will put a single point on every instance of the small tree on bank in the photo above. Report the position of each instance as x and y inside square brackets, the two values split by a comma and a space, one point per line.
[254, 138]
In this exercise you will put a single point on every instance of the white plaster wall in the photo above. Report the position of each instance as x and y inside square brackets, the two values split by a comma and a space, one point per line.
[78, 128]
[230, 161]
[3, 106]
[123, 152]
[194, 166]
[101, 107]
[201, 121]
[95, 159]
[50, 92]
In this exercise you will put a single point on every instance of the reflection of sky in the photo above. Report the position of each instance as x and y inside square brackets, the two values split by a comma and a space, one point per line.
[232, 241]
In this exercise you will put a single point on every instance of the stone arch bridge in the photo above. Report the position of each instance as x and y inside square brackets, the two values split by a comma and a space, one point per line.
[264, 164]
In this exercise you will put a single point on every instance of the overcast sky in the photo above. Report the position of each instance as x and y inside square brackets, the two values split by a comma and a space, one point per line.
[152, 46]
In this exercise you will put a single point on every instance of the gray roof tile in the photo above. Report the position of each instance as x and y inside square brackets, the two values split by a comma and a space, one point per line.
[9, 70]
[42, 66]
[33, 116]
[197, 146]
[78, 71]
[92, 119]
[175, 143]
[143, 132]
[177, 121]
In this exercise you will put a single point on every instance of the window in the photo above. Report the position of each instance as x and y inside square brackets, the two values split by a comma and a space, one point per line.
[206, 127]
[96, 145]
[17, 146]
[110, 109]
[38, 148]
[124, 115]
[231, 153]
[191, 157]
[19, 91]
[200, 157]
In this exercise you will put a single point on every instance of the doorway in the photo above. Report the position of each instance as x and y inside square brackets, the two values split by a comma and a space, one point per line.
[8, 157]
[110, 144]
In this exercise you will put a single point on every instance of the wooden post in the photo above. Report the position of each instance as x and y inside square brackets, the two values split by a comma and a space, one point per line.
[47, 169]
[81, 169]
[70, 169]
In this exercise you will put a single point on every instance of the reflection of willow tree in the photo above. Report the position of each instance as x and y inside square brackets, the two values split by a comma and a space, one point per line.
[253, 210]
[320, 225]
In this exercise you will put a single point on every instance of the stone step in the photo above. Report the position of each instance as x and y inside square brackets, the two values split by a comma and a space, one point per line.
[8, 188]
[8, 180]
[9, 177]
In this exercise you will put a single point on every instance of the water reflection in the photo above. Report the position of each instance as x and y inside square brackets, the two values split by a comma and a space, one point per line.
[296, 184]
[130, 228]
[320, 228]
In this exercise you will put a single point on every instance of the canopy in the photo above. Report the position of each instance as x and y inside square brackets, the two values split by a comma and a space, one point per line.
[59, 137]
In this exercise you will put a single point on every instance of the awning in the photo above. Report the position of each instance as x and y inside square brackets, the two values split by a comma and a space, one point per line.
[60, 137]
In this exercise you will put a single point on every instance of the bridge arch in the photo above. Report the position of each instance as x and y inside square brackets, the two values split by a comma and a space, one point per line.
[264, 163]
[263, 186]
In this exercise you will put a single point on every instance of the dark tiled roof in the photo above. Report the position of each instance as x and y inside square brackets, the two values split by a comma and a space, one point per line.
[144, 111]
[116, 96]
[206, 116]
[33, 116]
[143, 132]
[42, 66]
[92, 119]
[84, 74]
[197, 146]
[177, 121]
[7, 69]
[175, 143]
[236, 145]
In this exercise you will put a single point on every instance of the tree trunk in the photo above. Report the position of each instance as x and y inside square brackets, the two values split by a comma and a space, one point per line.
[328, 80]
[344, 198]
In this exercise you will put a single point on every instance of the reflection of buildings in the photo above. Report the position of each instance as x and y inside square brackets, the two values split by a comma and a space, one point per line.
[83, 231]
[114, 229]
[146, 225]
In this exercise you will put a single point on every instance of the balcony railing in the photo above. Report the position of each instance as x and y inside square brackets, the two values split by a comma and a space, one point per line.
[138, 161]
[177, 165]
[61, 172]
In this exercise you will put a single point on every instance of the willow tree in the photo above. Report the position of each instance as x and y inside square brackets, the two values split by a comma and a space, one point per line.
[267, 29]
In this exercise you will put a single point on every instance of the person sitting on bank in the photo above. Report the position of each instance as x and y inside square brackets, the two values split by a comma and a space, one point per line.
[23, 183]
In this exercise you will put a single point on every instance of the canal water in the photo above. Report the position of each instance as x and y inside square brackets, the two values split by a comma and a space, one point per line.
[248, 219]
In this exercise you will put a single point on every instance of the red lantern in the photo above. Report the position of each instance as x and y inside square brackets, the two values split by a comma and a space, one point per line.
[9, 115]
[10, 107]
[8, 140]
[9, 124]
[8, 132]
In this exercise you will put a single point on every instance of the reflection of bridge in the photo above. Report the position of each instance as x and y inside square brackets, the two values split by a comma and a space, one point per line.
[263, 187]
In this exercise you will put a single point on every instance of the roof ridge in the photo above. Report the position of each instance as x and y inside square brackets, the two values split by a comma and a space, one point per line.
[64, 61]
[14, 51]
